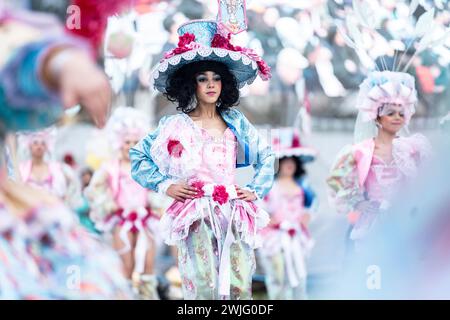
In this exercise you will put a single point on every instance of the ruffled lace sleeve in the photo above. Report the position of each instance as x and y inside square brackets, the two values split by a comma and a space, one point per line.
[410, 153]
[150, 165]
[176, 150]
[344, 191]
[421, 148]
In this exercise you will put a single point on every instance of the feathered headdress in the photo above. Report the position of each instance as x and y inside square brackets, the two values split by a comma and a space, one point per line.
[364, 17]
[387, 84]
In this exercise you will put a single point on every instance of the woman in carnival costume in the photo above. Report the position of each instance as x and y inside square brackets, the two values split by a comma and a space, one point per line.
[42, 172]
[366, 175]
[192, 157]
[44, 253]
[121, 206]
[287, 241]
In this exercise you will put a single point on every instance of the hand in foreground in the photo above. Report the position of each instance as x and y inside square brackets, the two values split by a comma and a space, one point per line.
[79, 81]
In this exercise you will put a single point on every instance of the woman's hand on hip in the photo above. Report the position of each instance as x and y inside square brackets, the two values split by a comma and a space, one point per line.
[181, 192]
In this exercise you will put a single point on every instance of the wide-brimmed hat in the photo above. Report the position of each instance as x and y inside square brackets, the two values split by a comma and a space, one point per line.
[206, 40]
[286, 143]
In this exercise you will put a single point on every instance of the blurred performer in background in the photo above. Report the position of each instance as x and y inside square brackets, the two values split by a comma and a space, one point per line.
[121, 206]
[83, 209]
[411, 248]
[44, 253]
[367, 174]
[384, 157]
[41, 171]
[287, 241]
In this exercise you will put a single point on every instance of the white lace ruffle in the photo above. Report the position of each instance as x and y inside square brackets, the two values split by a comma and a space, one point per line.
[248, 220]
[409, 152]
[206, 52]
[169, 165]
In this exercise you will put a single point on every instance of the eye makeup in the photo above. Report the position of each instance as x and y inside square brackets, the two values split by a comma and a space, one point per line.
[391, 110]
[201, 78]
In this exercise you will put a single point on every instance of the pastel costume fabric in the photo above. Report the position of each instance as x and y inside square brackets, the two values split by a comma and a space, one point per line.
[215, 232]
[116, 200]
[359, 175]
[60, 182]
[47, 255]
[286, 242]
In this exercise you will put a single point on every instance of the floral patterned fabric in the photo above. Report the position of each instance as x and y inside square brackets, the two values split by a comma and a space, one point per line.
[48, 255]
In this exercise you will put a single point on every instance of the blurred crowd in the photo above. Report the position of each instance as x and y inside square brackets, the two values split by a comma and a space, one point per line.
[304, 44]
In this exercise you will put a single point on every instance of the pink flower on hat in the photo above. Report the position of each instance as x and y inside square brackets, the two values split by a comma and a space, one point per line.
[185, 39]
[186, 43]
[296, 142]
[222, 42]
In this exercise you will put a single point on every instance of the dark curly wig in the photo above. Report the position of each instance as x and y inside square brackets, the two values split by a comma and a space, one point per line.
[181, 87]
[299, 167]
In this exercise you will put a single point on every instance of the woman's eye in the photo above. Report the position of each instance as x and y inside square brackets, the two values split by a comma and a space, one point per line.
[402, 115]
[201, 79]
[217, 78]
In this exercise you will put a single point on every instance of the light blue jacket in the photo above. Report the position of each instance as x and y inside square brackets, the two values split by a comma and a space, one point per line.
[253, 150]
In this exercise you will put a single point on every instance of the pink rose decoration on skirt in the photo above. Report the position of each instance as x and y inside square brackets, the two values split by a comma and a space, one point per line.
[175, 148]
[220, 194]
[198, 185]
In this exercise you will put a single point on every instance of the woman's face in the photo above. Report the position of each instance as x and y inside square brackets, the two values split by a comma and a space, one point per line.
[209, 87]
[392, 118]
[38, 148]
[287, 167]
[86, 178]
[128, 143]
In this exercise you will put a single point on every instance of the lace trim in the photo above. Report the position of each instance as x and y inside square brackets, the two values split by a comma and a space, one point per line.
[249, 219]
[205, 52]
